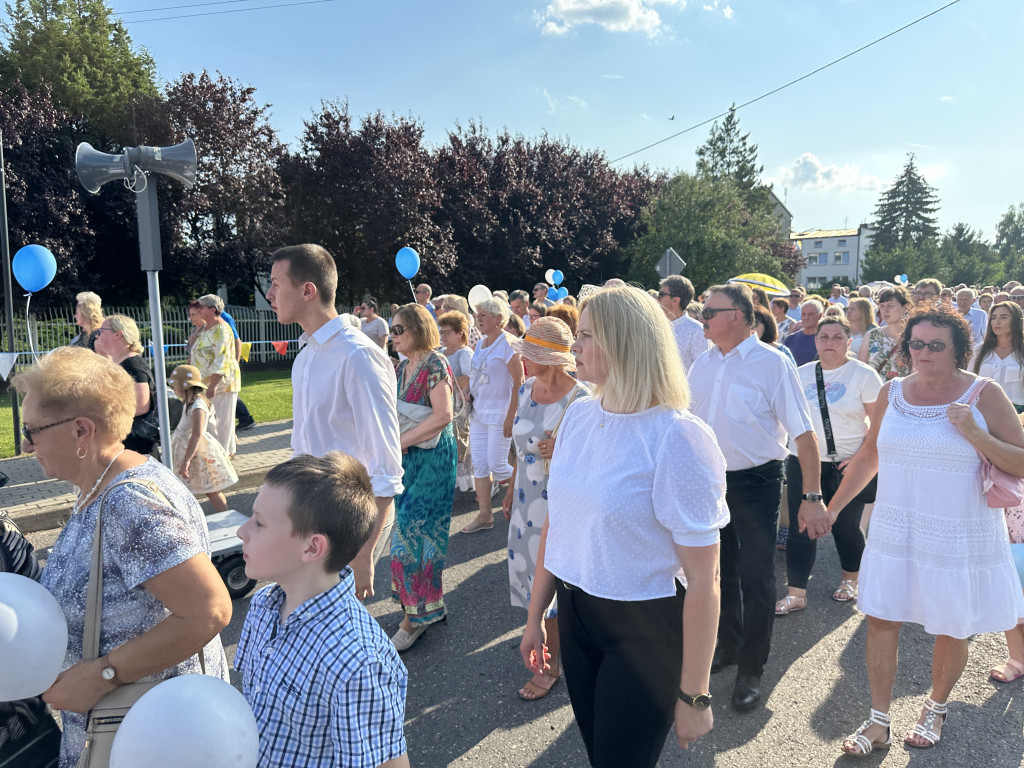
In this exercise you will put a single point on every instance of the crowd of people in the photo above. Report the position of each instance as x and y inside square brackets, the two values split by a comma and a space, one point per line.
[643, 571]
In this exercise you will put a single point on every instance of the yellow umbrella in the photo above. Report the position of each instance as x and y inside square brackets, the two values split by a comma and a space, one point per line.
[771, 285]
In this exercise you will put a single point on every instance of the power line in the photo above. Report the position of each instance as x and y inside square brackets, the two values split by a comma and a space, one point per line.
[787, 85]
[179, 7]
[232, 10]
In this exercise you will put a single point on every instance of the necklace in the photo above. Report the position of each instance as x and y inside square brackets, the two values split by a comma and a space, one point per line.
[82, 499]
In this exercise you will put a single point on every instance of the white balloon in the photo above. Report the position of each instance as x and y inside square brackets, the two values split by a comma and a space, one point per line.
[33, 637]
[549, 277]
[477, 294]
[188, 720]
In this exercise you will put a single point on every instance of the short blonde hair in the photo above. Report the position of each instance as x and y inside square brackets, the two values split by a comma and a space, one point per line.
[417, 320]
[495, 307]
[639, 349]
[75, 381]
[129, 331]
[92, 308]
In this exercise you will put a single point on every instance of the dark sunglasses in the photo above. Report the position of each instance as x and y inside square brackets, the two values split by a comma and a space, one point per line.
[934, 346]
[397, 330]
[27, 433]
[662, 294]
[707, 314]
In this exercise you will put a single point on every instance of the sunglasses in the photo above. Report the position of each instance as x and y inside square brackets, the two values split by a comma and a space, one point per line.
[663, 294]
[934, 346]
[707, 314]
[27, 433]
[397, 330]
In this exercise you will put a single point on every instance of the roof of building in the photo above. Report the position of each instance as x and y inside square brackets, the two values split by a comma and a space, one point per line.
[812, 233]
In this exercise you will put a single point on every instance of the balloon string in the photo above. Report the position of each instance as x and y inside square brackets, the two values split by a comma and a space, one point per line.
[28, 328]
[413, 290]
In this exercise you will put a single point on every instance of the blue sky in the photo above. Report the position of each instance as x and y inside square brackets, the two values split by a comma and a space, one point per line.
[608, 74]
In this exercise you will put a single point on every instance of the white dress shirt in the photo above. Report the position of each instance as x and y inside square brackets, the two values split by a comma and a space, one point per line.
[343, 399]
[1005, 372]
[978, 320]
[752, 399]
[690, 339]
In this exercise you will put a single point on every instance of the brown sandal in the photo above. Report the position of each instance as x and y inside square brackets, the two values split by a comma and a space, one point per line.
[531, 691]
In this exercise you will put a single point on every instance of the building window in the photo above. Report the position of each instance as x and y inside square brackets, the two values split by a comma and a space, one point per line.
[812, 259]
[841, 257]
[841, 244]
[817, 243]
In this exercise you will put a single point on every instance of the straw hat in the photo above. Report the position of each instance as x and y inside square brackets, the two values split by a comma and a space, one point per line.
[547, 342]
[186, 376]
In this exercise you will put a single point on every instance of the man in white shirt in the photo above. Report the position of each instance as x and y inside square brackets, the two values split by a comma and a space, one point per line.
[373, 324]
[975, 316]
[750, 396]
[674, 295]
[519, 301]
[837, 296]
[343, 388]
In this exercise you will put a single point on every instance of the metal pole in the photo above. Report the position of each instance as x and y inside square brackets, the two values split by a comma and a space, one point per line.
[149, 252]
[5, 252]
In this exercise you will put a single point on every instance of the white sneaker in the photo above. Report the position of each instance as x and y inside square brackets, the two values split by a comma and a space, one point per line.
[495, 487]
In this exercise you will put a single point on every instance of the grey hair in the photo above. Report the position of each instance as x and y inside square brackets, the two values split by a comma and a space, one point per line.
[214, 302]
[493, 306]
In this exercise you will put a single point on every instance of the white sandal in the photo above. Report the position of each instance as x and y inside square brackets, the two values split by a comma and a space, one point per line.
[926, 730]
[860, 740]
[846, 591]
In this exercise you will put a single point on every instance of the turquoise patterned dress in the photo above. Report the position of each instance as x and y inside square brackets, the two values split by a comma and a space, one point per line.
[423, 513]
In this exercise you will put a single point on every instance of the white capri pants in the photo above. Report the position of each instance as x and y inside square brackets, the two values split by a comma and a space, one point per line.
[488, 449]
[224, 409]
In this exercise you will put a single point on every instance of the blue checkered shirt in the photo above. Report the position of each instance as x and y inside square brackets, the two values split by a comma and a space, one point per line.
[327, 686]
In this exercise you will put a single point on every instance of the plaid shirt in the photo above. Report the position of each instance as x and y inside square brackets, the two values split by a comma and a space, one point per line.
[326, 686]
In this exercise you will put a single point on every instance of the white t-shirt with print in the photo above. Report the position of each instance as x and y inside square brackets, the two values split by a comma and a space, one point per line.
[848, 389]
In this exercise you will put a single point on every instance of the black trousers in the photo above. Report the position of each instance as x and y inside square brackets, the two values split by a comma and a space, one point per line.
[747, 565]
[622, 662]
[241, 412]
[801, 550]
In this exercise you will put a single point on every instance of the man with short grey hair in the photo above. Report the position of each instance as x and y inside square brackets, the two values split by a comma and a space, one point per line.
[801, 343]
[975, 316]
[540, 295]
[674, 296]
[423, 294]
[519, 301]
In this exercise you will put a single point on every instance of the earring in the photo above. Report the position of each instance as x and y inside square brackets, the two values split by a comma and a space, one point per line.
[81, 455]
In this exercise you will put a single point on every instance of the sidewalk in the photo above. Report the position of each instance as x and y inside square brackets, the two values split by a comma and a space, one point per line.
[38, 503]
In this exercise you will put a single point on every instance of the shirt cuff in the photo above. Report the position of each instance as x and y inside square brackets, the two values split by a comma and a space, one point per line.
[387, 486]
[702, 539]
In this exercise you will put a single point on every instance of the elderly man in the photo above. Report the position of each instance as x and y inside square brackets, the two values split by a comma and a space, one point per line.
[519, 301]
[801, 343]
[927, 290]
[973, 315]
[750, 395]
[794, 298]
[837, 296]
[674, 295]
[423, 294]
[540, 295]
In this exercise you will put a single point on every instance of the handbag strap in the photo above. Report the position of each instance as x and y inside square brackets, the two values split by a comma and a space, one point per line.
[978, 386]
[830, 442]
[577, 390]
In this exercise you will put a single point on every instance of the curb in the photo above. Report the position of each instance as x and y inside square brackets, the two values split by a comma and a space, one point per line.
[55, 515]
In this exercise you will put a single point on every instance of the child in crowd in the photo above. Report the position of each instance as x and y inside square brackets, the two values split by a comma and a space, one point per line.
[324, 681]
[202, 462]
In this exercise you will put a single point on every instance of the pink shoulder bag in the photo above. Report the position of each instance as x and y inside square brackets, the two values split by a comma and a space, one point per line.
[1001, 489]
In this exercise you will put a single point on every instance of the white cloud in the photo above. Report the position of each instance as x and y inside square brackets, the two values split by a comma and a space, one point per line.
[713, 6]
[728, 12]
[946, 98]
[551, 100]
[808, 172]
[577, 101]
[613, 15]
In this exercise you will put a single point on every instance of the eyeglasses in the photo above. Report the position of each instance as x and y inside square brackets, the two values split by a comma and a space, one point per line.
[662, 294]
[418, 290]
[397, 330]
[27, 433]
[707, 314]
[446, 332]
[924, 295]
[1017, 296]
[934, 346]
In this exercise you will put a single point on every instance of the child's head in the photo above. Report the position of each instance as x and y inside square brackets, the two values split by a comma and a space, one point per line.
[322, 505]
[187, 382]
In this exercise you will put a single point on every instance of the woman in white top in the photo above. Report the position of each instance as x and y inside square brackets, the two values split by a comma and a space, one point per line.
[495, 375]
[454, 330]
[861, 315]
[1001, 355]
[642, 510]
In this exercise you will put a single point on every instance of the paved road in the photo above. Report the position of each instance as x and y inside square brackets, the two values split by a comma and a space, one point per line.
[462, 708]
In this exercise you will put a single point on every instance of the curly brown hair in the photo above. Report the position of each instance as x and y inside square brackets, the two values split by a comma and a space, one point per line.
[941, 316]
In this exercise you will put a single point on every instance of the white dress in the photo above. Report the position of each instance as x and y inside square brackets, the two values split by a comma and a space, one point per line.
[936, 554]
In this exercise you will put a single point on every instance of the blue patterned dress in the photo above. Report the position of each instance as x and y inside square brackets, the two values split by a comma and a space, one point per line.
[423, 513]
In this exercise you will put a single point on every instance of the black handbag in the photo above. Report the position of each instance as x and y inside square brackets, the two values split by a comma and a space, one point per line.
[830, 480]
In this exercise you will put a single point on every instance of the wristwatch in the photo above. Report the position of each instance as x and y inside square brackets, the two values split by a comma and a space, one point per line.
[812, 496]
[108, 672]
[700, 702]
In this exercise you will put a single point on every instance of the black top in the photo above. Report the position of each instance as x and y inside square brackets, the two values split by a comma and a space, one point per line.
[144, 427]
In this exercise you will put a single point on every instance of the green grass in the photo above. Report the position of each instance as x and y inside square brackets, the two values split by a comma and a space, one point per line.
[268, 394]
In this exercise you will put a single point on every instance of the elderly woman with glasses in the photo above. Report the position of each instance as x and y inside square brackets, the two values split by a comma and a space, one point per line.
[213, 353]
[543, 400]
[494, 380]
[937, 554]
[118, 339]
[162, 597]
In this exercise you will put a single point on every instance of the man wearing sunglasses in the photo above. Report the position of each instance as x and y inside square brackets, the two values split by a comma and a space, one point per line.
[674, 296]
[344, 389]
[750, 395]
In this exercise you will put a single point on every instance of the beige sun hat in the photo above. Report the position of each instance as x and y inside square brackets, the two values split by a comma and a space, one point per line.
[548, 341]
[186, 376]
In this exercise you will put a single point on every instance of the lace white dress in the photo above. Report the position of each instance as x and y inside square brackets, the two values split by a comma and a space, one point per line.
[936, 554]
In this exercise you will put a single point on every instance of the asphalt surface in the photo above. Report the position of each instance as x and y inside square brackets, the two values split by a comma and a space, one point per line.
[462, 707]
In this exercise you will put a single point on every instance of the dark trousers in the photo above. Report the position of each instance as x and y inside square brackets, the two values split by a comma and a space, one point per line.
[622, 662]
[241, 412]
[747, 565]
[801, 549]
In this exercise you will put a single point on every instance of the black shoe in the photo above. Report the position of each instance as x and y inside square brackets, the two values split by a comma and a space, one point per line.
[247, 424]
[747, 693]
[721, 660]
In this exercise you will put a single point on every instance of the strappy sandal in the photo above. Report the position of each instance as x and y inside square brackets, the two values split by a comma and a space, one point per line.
[926, 730]
[790, 604]
[859, 740]
[846, 591]
[531, 691]
[1002, 673]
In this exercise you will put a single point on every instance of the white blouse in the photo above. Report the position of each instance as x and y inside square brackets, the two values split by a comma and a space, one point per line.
[651, 480]
[1006, 373]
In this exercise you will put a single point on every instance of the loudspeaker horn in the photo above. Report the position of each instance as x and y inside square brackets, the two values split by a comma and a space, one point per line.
[179, 162]
[96, 168]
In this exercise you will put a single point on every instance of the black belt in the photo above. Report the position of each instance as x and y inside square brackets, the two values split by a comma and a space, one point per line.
[758, 468]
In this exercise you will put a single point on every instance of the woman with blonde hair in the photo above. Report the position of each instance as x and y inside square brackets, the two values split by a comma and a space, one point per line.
[644, 508]
[118, 339]
[213, 353]
[860, 314]
[88, 317]
[454, 331]
[162, 597]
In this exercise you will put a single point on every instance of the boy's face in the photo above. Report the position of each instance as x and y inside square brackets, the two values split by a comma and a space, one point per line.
[271, 550]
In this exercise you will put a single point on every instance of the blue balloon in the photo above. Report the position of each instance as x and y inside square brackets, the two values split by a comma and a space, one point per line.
[557, 277]
[34, 267]
[408, 263]
[553, 294]
[563, 292]
[903, 278]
